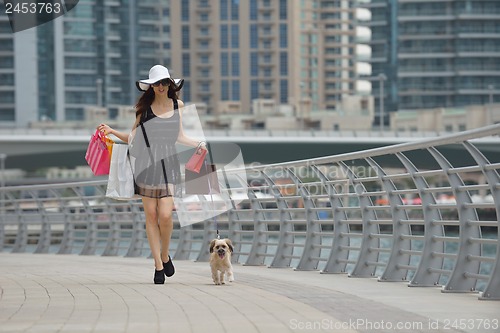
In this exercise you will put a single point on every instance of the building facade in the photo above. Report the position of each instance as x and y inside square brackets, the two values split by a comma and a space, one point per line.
[293, 52]
[230, 52]
[433, 54]
[91, 56]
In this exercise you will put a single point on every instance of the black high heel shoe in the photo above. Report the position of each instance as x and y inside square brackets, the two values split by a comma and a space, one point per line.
[168, 267]
[159, 277]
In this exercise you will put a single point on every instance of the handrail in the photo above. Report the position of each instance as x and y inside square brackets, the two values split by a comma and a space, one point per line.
[372, 213]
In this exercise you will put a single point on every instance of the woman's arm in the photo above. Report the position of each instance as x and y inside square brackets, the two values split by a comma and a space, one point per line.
[182, 138]
[124, 136]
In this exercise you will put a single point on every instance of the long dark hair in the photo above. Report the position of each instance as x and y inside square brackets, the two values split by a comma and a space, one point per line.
[148, 97]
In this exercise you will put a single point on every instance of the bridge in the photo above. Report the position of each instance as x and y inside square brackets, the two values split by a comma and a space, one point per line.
[330, 243]
[66, 147]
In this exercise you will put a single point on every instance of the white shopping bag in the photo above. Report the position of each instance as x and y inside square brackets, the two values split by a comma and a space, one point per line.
[121, 178]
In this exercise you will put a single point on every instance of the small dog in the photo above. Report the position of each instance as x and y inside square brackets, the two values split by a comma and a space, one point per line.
[220, 260]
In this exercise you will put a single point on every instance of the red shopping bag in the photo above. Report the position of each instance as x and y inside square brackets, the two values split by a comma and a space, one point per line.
[97, 155]
[196, 161]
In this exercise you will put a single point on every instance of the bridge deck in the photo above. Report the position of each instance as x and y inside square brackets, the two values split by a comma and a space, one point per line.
[69, 293]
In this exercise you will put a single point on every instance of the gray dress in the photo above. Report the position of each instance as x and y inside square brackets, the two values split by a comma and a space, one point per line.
[157, 167]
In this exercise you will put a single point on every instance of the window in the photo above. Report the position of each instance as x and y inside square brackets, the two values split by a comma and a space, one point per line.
[224, 90]
[283, 35]
[253, 10]
[235, 36]
[284, 63]
[254, 36]
[254, 89]
[224, 64]
[235, 63]
[185, 37]
[186, 64]
[223, 10]
[235, 91]
[184, 10]
[284, 91]
[186, 91]
[235, 9]
[224, 36]
[254, 64]
[283, 9]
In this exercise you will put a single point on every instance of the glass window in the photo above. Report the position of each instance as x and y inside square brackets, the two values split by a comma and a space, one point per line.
[186, 64]
[283, 9]
[224, 36]
[283, 35]
[81, 97]
[284, 91]
[7, 79]
[79, 28]
[235, 91]
[235, 36]
[186, 91]
[79, 63]
[235, 9]
[83, 10]
[185, 37]
[79, 80]
[7, 115]
[254, 89]
[184, 10]
[224, 64]
[254, 36]
[7, 97]
[253, 10]
[254, 64]
[223, 10]
[224, 90]
[74, 114]
[235, 63]
[284, 63]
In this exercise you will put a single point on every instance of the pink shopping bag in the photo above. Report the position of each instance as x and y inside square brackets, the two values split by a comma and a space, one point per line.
[97, 155]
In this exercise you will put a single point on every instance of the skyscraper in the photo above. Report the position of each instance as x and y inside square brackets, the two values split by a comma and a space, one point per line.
[435, 53]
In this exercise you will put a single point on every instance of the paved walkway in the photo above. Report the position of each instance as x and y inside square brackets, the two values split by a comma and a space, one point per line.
[69, 293]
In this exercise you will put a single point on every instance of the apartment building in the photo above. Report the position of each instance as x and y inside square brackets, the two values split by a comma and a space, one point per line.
[293, 52]
[434, 54]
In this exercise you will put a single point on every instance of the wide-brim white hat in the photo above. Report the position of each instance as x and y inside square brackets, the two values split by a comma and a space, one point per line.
[157, 73]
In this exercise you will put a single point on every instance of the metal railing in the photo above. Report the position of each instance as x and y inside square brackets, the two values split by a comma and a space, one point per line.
[373, 213]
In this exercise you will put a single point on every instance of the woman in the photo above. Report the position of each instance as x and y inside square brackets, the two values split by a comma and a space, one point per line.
[158, 181]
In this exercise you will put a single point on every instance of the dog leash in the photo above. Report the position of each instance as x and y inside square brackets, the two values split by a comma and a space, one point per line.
[210, 190]
[212, 199]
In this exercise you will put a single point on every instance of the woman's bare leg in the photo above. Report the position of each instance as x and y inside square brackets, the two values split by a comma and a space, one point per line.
[153, 229]
[165, 208]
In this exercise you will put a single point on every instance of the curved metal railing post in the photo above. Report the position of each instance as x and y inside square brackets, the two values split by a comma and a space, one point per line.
[492, 290]
[427, 273]
[458, 282]
[364, 266]
[399, 260]
[283, 256]
[310, 256]
[256, 255]
[22, 230]
[339, 253]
